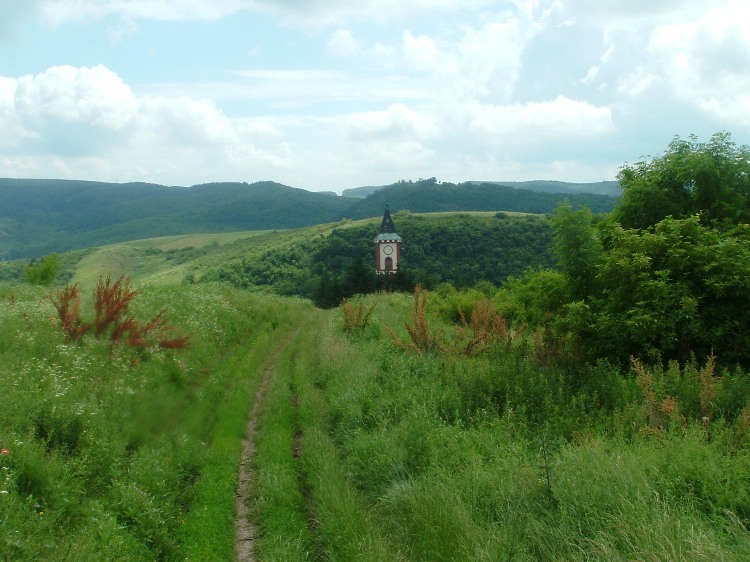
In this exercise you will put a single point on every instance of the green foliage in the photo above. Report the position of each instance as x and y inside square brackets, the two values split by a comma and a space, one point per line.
[43, 272]
[576, 247]
[692, 178]
[429, 196]
[459, 248]
[669, 291]
[667, 282]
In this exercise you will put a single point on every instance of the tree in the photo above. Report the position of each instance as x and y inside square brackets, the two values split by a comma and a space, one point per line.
[710, 179]
[44, 272]
[359, 279]
[576, 247]
[673, 290]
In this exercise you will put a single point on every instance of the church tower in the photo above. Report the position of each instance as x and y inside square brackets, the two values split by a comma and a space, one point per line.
[388, 246]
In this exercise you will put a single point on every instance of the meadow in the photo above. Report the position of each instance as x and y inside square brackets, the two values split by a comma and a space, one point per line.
[371, 443]
[122, 452]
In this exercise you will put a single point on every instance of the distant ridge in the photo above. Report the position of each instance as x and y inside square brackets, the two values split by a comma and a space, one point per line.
[39, 216]
[610, 188]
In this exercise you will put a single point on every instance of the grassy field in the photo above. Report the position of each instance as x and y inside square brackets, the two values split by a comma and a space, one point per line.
[128, 453]
[163, 260]
[427, 456]
[374, 441]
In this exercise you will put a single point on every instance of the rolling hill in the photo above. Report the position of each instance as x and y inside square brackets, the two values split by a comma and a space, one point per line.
[38, 217]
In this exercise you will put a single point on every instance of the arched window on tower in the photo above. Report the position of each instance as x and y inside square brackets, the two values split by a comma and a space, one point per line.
[389, 263]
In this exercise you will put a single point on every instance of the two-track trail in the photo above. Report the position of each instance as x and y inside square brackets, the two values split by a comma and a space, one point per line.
[244, 529]
[283, 344]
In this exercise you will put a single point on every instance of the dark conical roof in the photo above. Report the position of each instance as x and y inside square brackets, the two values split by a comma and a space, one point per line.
[387, 229]
[387, 224]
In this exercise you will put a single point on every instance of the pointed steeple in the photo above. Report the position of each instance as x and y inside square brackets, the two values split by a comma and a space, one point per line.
[387, 225]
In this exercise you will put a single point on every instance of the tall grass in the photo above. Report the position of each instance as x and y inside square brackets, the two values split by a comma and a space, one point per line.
[365, 450]
[126, 453]
[451, 457]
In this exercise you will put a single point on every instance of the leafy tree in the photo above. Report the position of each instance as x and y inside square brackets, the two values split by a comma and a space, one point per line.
[666, 277]
[44, 272]
[576, 247]
[710, 179]
[359, 279]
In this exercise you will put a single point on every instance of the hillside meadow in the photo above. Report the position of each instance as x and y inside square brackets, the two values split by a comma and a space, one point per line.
[376, 440]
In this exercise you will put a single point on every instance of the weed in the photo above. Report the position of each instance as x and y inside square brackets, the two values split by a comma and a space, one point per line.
[488, 329]
[356, 319]
[422, 339]
[67, 302]
[112, 301]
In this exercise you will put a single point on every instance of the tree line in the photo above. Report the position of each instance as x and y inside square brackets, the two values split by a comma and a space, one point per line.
[665, 276]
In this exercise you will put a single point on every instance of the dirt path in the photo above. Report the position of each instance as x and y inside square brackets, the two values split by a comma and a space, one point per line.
[244, 529]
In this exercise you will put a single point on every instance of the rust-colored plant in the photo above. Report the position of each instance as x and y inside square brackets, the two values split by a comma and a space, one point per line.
[111, 319]
[488, 328]
[356, 318]
[111, 302]
[67, 302]
[645, 381]
[422, 339]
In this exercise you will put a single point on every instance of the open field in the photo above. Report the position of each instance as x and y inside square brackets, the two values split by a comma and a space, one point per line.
[364, 451]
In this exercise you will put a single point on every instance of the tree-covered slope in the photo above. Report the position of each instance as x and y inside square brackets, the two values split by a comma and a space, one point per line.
[460, 248]
[611, 188]
[40, 216]
[430, 196]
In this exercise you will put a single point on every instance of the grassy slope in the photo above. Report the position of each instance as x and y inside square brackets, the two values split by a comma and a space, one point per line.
[421, 457]
[130, 454]
[365, 452]
[167, 260]
[162, 260]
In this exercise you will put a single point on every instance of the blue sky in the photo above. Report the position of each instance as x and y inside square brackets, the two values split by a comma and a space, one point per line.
[330, 94]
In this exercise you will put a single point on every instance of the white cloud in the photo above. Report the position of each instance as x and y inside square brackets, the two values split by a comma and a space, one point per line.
[421, 53]
[613, 10]
[305, 12]
[68, 94]
[396, 122]
[706, 59]
[126, 26]
[538, 121]
[61, 11]
[343, 43]
[637, 82]
[89, 124]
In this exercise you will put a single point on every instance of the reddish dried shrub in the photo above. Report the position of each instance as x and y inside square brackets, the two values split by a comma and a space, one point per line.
[111, 303]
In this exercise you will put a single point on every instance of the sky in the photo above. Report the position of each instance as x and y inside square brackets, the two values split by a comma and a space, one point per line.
[326, 95]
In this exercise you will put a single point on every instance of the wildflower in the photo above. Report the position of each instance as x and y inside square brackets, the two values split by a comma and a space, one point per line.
[4, 451]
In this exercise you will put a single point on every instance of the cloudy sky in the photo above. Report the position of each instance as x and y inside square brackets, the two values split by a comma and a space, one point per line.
[330, 94]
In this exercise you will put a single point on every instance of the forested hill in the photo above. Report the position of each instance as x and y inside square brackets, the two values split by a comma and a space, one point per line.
[611, 188]
[42, 216]
[427, 196]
